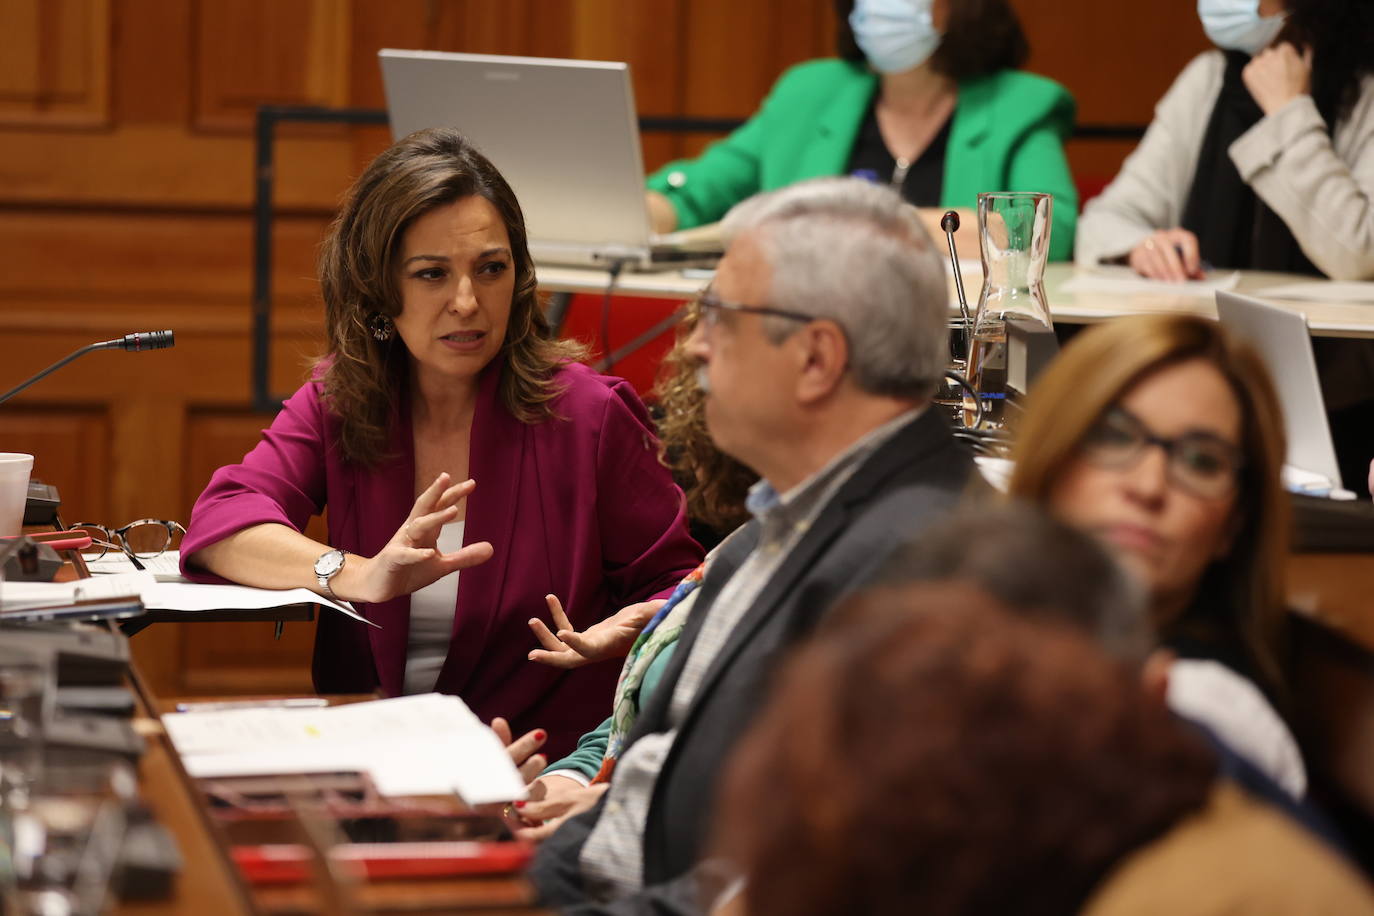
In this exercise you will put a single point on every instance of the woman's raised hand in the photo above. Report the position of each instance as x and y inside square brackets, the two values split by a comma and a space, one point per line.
[609, 638]
[412, 559]
[1278, 75]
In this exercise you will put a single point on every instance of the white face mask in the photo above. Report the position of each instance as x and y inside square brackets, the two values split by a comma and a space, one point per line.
[1236, 25]
[895, 35]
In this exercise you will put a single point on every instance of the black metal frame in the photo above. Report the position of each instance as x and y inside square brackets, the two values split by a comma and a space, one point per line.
[269, 116]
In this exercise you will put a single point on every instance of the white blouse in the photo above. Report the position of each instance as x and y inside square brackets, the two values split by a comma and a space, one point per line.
[431, 620]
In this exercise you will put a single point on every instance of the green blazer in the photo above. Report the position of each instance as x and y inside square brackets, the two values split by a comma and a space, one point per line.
[1007, 135]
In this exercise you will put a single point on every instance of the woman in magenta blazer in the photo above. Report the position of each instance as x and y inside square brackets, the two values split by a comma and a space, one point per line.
[469, 465]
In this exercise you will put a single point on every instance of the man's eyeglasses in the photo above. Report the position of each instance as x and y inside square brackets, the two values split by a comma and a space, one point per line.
[143, 539]
[1203, 464]
[710, 306]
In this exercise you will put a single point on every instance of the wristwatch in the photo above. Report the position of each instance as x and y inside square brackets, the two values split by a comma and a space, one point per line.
[326, 568]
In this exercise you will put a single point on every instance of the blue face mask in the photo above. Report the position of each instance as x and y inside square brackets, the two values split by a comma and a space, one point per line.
[895, 35]
[1236, 25]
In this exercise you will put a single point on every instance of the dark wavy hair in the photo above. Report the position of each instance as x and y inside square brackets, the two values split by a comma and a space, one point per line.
[1341, 35]
[981, 37]
[714, 483]
[930, 752]
[359, 278]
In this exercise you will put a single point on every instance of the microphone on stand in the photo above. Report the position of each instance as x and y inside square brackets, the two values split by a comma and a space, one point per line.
[139, 340]
[950, 224]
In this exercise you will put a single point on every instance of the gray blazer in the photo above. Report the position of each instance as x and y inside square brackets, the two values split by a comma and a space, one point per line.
[1321, 185]
[909, 482]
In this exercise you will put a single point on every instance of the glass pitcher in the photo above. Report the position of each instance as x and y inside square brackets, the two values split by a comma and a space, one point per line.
[1014, 236]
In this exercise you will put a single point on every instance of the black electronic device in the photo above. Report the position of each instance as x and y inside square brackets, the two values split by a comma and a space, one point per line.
[1030, 348]
[75, 739]
[85, 656]
[114, 700]
[25, 559]
[42, 504]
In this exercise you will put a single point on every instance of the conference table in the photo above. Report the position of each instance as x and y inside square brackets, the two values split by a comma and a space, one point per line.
[1076, 295]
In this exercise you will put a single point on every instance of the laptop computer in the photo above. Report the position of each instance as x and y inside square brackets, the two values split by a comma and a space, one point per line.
[565, 135]
[1282, 338]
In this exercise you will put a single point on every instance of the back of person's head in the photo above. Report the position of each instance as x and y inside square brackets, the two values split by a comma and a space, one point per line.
[980, 37]
[1036, 565]
[714, 483]
[854, 252]
[1095, 371]
[930, 752]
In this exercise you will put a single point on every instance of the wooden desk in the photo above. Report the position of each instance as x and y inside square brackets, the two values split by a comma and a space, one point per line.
[1332, 319]
[207, 878]
[1333, 680]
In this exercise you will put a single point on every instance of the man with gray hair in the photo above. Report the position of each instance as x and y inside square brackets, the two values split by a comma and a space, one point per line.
[822, 338]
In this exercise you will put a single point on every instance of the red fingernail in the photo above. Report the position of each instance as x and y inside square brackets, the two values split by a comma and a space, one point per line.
[539, 734]
[519, 804]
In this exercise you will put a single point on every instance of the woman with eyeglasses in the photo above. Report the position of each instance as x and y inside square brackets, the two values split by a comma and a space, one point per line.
[1163, 435]
[472, 469]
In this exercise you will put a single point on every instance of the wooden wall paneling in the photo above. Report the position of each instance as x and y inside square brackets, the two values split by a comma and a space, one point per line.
[1116, 58]
[736, 51]
[649, 36]
[55, 63]
[250, 52]
[71, 449]
[150, 256]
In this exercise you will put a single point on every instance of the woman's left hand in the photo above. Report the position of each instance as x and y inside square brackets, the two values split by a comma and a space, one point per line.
[522, 749]
[1278, 75]
[609, 638]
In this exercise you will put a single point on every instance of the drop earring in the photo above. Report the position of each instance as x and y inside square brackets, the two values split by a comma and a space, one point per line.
[381, 326]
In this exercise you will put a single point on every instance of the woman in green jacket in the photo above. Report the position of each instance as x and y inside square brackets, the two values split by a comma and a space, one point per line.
[926, 96]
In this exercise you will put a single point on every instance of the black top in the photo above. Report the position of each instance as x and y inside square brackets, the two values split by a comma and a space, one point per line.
[1234, 228]
[871, 159]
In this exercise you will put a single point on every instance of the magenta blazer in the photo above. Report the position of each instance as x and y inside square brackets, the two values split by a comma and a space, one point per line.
[579, 507]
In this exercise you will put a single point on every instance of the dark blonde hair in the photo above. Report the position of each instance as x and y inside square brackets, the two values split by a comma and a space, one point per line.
[363, 377]
[714, 483]
[1093, 373]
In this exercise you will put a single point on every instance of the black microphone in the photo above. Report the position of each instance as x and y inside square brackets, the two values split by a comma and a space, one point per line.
[140, 340]
[950, 224]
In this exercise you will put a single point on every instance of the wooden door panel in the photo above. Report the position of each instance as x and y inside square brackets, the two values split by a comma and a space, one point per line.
[55, 66]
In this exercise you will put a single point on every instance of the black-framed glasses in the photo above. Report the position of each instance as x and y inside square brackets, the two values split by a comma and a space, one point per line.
[1201, 463]
[144, 539]
[710, 306]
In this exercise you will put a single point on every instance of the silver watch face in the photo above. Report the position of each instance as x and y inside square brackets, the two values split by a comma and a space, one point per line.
[329, 563]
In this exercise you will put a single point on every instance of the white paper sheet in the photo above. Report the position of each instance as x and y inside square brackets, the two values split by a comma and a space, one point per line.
[165, 567]
[1320, 291]
[1129, 283]
[164, 596]
[421, 745]
[17, 595]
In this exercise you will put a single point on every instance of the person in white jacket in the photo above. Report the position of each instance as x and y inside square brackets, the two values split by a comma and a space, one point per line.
[1261, 154]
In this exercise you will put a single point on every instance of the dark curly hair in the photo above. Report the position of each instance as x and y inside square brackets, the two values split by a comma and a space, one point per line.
[1341, 35]
[981, 37]
[931, 752]
[363, 378]
[715, 484]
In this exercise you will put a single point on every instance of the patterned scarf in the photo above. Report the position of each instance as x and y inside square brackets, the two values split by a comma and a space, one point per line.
[661, 631]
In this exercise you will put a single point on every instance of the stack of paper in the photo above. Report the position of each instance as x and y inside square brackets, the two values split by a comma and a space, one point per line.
[430, 744]
[158, 595]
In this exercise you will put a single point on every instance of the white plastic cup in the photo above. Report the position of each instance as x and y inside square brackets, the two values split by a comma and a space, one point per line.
[14, 491]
